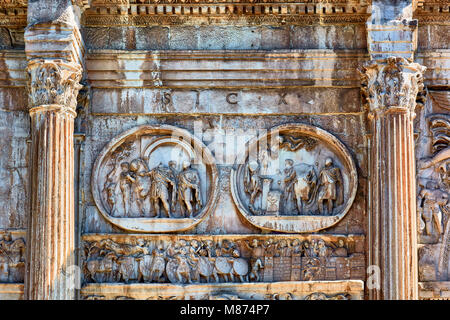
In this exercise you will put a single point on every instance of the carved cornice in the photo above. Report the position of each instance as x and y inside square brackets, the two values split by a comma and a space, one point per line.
[391, 85]
[13, 13]
[53, 84]
[433, 12]
[247, 12]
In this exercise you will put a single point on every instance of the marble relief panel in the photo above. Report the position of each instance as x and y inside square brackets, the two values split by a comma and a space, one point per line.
[155, 179]
[296, 178]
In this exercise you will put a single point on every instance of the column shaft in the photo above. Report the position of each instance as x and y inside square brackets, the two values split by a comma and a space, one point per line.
[390, 87]
[392, 218]
[51, 225]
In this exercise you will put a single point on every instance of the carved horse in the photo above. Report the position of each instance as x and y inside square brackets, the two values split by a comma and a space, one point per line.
[104, 265]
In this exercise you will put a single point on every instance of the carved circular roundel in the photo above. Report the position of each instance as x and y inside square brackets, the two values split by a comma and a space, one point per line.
[296, 178]
[155, 179]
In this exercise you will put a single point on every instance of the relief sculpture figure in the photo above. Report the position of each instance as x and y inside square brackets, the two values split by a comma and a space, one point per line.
[256, 264]
[189, 189]
[159, 190]
[252, 181]
[126, 178]
[159, 263]
[429, 204]
[330, 187]
[299, 187]
[139, 191]
[290, 178]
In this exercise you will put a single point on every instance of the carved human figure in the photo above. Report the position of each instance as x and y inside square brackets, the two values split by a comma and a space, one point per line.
[193, 260]
[311, 269]
[5, 258]
[264, 158]
[183, 272]
[307, 249]
[296, 246]
[139, 193]
[330, 187]
[444, 174]
[126, 179]
[205, 265]
[159, 190]
[240, 266]
[256, 264]
[11, 259]
[189, 193]
[226, 248]
[322, 249]
[429, 201]
[290, 177]
[252, 181]
[159, 263]
[17, 260]
[209, 247]
[269, 247]
[283, 249]
[111, 197]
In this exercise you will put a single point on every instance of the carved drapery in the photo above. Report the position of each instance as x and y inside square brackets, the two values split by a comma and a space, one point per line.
[390, 87]
[53, 86]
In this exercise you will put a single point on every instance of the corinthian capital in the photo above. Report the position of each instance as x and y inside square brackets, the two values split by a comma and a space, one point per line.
[53, 82]
[391, 84]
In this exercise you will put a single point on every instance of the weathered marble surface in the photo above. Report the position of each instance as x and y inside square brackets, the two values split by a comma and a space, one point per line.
[185, 65]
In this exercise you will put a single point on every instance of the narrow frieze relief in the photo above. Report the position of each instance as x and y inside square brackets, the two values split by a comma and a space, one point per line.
[53, 82]
[196, 260]
[237, 296]
[155, 179]
[391, 84]
[296, 178]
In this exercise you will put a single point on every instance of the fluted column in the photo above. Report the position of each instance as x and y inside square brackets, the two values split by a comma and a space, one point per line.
[53, 87]
[391, 86]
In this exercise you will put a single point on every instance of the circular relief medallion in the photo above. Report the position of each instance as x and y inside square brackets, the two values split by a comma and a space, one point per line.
[155, 179]
[296, 178]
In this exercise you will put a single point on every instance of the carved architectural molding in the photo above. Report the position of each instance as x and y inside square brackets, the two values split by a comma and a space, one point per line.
[155, 179]
[295, 290]
[53, 82]
[296, 178]
[391, 85]
[433, 12]
[169, 12]
[13, 13]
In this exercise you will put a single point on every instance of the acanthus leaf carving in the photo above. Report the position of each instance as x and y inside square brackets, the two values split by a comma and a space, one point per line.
[391, 83]
[53, 82]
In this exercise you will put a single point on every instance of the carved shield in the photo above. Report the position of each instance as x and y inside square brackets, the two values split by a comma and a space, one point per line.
[205, 267]
[171, 270]
[240, 266]
[222, 265]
